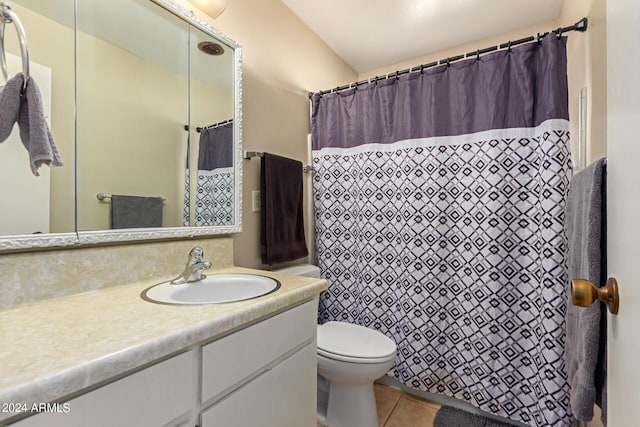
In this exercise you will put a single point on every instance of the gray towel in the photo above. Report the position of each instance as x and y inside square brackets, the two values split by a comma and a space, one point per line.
[25, 107]
[448, 416]
[34, 131]
[9, 105]
[136, 211]
[585, 226]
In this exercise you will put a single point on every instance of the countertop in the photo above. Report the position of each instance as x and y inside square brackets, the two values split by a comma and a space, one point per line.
[58, 347]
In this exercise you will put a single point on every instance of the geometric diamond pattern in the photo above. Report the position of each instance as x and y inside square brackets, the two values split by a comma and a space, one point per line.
[187, 199]
[458, 253]
[215, 197]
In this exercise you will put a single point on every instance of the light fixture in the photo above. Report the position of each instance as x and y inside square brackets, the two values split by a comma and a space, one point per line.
[213, 8]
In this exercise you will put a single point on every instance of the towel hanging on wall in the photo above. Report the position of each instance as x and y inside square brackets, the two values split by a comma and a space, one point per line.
[281, 210]
[586, 326]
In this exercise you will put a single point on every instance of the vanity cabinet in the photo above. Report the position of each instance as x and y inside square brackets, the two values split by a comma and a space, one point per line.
[155, 396]
[263, 374]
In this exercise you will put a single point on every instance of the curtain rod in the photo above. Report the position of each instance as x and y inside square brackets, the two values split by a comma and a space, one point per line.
[215, 125]
[581, 26]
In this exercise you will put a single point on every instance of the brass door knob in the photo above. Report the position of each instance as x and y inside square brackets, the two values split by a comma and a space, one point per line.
[584, 294]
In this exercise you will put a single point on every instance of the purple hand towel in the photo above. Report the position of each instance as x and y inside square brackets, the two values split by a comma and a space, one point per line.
[282, 224]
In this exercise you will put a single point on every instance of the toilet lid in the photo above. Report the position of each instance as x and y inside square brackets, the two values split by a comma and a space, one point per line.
[346, 339]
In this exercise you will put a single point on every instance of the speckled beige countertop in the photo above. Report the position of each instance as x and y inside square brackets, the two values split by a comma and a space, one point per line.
[57, 347]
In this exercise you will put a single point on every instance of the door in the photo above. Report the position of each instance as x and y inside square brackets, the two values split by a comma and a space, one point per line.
[623, 222]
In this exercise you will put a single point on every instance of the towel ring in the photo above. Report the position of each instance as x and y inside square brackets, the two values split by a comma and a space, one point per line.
[7, 16]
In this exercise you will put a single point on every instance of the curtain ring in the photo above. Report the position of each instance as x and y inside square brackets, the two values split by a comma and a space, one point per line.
[421, 68]
[448, 63]
[559, 33]
[397, 75]
[509, 46]
[478, 55]
[538, 38]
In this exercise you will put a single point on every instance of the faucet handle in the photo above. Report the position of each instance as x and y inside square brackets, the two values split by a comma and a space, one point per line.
[195, 255]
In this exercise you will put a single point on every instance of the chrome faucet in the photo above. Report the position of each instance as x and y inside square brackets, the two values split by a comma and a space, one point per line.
[195, 266]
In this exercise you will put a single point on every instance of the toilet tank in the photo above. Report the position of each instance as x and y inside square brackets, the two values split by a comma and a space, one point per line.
[306, 270]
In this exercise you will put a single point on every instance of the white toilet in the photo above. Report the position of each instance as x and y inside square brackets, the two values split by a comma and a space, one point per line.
[350, 359]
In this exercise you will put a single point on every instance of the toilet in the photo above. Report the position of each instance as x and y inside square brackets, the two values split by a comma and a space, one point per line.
[350, 359]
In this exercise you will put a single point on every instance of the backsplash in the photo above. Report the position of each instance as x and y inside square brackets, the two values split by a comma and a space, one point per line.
[34, 276]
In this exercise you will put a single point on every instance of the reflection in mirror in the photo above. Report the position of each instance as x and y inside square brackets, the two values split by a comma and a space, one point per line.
[214, 188]
[133, 102]
[212, 107]
[146, 75]
[41, 204]
[151, 83]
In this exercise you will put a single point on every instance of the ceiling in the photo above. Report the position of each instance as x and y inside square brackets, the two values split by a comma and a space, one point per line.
[371, 34]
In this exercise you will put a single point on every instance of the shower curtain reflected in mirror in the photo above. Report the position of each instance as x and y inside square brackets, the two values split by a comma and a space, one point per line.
[439, 199]
[214, 192]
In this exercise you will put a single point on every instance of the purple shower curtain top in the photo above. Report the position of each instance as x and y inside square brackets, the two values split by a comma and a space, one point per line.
[500, 90]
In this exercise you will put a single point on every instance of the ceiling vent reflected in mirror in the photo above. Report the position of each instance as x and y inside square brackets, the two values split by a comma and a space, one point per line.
[211, 48]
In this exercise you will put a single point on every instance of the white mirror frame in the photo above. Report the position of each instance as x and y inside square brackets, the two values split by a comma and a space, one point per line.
[54, 240]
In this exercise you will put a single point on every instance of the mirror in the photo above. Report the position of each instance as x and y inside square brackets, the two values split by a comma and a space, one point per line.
[146, 114]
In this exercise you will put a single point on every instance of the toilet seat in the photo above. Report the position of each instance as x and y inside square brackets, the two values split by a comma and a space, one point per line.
[353, 343]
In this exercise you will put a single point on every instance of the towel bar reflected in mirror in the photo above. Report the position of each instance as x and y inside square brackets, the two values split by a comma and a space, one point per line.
[584, 293]
[102, 196]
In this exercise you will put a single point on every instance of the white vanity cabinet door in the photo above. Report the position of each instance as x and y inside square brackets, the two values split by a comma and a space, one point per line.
[249, 406]
[294, 389]
[284, 396]
[241, 355]
[264, 375]
[154, 396]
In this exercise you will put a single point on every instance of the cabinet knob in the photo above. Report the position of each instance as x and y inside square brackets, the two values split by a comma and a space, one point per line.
[584, 293]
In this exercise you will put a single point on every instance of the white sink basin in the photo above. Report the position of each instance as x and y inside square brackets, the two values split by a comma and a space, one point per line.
[214, 289]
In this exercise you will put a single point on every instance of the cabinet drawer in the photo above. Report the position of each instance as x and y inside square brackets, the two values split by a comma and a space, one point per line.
[284, 396]
[152, 397]
[231, 359]
[249, 406]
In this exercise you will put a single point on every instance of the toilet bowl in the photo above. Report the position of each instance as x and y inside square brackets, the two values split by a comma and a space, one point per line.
[350, 359]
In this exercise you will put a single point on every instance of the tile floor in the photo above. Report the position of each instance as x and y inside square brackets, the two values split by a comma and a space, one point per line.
[399, 409]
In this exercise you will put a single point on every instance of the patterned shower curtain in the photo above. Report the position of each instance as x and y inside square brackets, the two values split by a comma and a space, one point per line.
[439, 199]
[215, 189]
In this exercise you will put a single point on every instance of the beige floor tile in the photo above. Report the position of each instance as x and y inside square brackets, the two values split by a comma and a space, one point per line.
[413, 413]
[420, 399]
[386, 399]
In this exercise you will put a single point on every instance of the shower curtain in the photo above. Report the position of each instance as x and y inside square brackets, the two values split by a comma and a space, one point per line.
[215, 195]
[439, 205]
